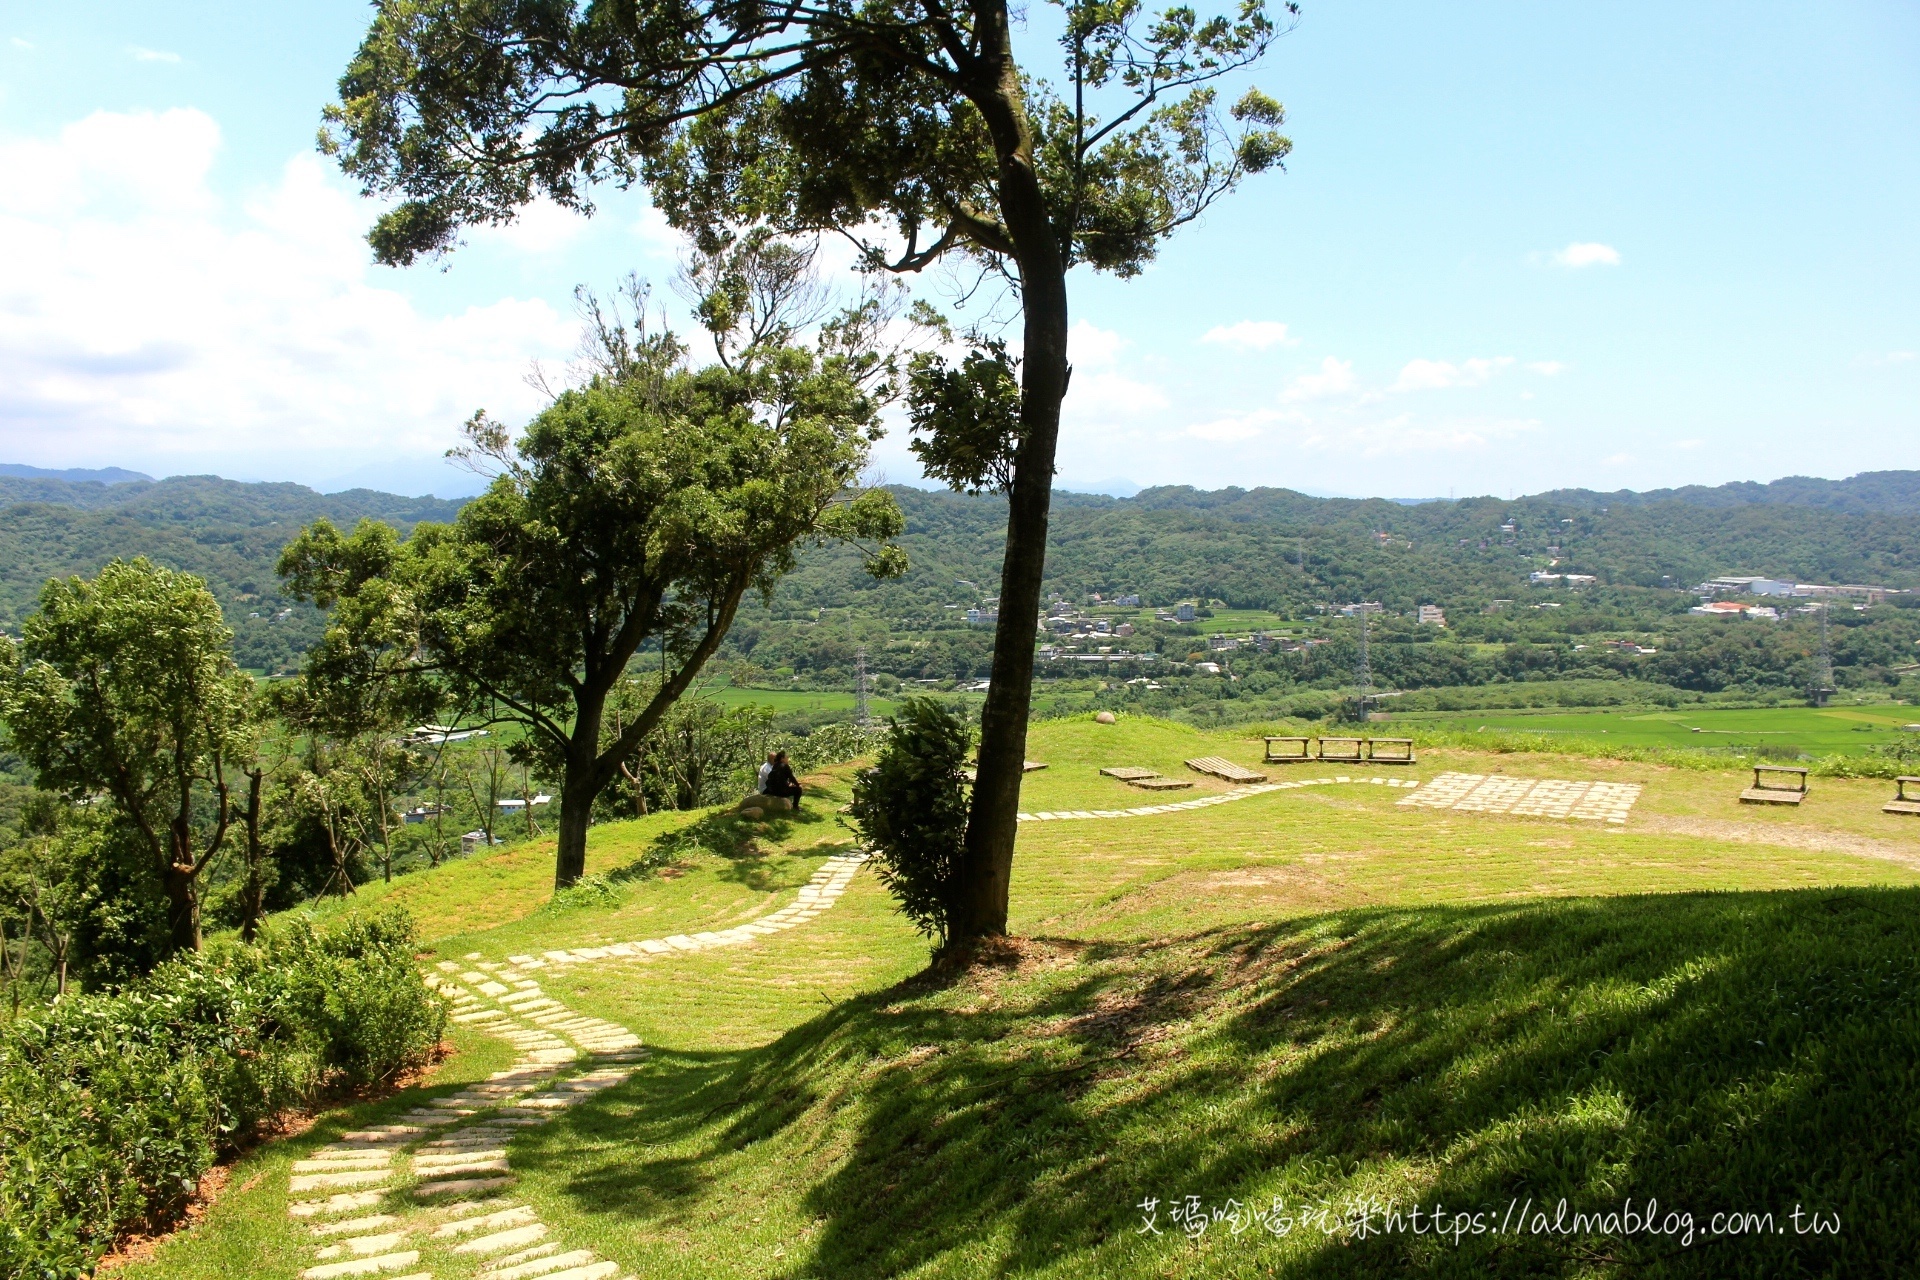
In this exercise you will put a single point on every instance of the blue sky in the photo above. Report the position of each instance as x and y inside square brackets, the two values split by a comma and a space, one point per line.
[1517, 247]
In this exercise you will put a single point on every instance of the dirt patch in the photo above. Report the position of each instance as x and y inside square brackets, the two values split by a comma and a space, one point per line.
[1784, 837]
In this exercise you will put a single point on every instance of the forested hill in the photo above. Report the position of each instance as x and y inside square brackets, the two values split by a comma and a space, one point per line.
[1244, 547]
[1883, 492]
[1239, 546]
[228, 532]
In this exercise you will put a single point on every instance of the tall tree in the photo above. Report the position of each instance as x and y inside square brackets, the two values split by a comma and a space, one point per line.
[638, 510]
[909, 126]
[126, 686]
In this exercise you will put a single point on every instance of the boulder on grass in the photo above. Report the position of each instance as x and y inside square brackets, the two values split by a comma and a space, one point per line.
[766, 804]
[1104, 717]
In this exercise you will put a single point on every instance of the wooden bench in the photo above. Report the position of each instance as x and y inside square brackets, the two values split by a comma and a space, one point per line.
[1290, 755]
[1221, 767]
[1347, 750]
[1901, 802]
[1127, 773]
[1763, 792]
[1399, 750]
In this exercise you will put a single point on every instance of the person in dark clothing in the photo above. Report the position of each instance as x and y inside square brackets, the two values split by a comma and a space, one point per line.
[780, 780]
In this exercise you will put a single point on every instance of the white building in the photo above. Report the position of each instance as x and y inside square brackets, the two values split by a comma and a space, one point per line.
[1431, 615]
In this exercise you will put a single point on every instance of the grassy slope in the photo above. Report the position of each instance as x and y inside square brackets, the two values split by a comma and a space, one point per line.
[1313, 994]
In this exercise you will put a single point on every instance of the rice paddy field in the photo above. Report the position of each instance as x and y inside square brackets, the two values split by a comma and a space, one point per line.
[1238, 1038]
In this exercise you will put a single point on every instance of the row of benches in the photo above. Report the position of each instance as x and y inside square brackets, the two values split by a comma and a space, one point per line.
[1793, 789]
[1347, 750]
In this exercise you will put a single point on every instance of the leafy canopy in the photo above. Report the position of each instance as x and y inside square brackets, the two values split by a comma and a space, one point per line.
[125, 686]
[891, 121]
[637, 510]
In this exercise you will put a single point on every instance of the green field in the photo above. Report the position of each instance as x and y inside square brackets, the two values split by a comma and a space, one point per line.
[790, 701]
[1320, 995]
[1810, 731]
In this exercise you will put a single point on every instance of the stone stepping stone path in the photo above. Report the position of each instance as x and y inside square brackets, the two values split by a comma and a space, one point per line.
[816, 897]
[1529, 797]
[1202, 802]
[449, 1156]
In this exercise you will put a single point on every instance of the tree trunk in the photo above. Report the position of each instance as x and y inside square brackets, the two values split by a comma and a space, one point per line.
[577, 794]
[987, 858]
[580, 784]
[253, 890]
[183, 907]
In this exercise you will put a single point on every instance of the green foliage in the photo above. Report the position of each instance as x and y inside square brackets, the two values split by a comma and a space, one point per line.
[967, 416]
[638, 509]
[125, 686]
[113, 1106]
[911, 808]
[469, 111]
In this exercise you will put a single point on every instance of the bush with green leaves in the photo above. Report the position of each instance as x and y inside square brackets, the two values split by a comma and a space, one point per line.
[911, 808]
[113, 1106]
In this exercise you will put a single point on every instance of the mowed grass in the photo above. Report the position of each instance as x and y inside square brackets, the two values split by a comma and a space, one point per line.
[1315, 994]
[1814, 731]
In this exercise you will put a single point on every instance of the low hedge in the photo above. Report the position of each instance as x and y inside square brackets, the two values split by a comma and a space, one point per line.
[112, 1106]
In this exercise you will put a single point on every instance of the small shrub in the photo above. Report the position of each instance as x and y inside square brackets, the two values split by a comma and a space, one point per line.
[354, 999]
[113, 1106]
[587, 891]
[911, 807]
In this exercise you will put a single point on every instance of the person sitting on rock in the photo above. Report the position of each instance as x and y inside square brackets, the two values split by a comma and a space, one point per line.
[780, 780]
[760, 782]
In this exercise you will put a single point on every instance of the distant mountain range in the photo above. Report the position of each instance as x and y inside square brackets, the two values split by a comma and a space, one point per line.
[77, 475]
[1242, 546]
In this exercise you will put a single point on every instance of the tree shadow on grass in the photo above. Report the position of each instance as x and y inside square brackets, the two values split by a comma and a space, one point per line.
[1714, 1051]
[746, 846]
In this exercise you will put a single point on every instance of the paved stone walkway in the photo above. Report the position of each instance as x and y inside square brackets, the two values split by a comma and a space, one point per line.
[449, 1158]
[1201, 802]
[1529, 797]
[435, 1185]
[816, 896]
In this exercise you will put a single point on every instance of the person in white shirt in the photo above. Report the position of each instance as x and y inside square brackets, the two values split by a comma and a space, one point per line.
[760, 784]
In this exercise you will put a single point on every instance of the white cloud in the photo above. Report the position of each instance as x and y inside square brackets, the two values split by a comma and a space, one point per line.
[18, 43]
[1433, 375]
[1234, 428]
[145, 321]
[1406, 435]
[1250, 335]
[1588, 253]
[1106, 394]
[1090, 346]
[151, 55]
[542, 227]
[652, 230]
[1617, 459]
[1548, 368]
[1887, 357]
[1335, 378]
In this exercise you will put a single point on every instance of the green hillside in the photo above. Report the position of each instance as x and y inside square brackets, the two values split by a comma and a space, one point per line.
[228, 532]
[1301, 1009]
[1242, 550]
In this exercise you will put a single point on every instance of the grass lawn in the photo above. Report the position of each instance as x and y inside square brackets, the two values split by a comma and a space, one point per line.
[1812, 731]
[789, 701]
[1313, 995]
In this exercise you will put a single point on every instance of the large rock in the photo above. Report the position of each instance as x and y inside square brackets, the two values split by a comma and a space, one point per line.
[766, 804]
[1104, 717]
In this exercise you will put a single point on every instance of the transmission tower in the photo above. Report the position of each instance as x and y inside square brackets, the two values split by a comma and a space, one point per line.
[1823, 670]
[861, 715]
[1363, 670]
